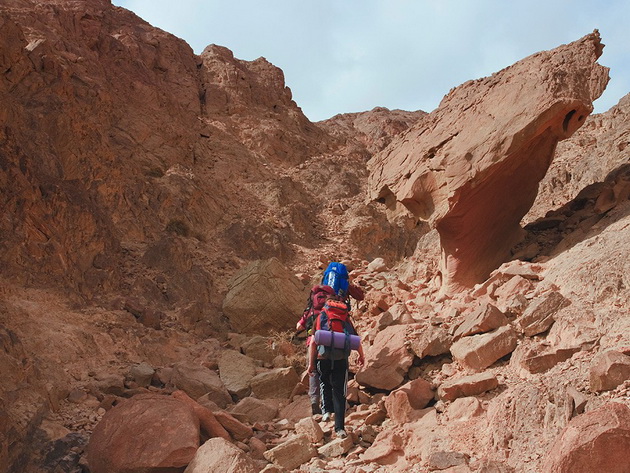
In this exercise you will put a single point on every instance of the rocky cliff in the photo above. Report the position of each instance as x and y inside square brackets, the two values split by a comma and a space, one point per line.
[135, 166]
[145, 188]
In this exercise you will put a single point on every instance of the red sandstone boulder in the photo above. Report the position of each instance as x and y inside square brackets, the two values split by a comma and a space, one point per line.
[143, 434]
[477, 352]
[386, 448]
[539, 359]
[403, 405]
[235, 427]
[598, 440]
[264, 296]
[464, 408]
[428, 340]
[292, 453]
[309, 427]
[256, 410]
[608, 370]
[260, 348]
[236, 371]
[277, 383]
[298, 408]
[506, 273]
[539, 315]
[467, 386]
[197, 380]
[395, 315]
[419, 392]
[219, 455]
[336, 447]
[387, 360]
[208, 420]
[402, 448]
[509, 296]
[484, 319]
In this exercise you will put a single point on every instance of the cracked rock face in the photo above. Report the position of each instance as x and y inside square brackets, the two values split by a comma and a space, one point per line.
[472, 167]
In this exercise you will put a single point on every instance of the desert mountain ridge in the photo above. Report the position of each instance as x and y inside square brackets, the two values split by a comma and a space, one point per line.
[165, 214]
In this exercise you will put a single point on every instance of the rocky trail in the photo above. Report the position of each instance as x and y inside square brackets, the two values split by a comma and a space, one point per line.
[165, 215]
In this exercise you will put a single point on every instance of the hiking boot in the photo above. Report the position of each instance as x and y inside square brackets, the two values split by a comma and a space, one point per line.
[326, 417]
[341, 434]
[315, 409]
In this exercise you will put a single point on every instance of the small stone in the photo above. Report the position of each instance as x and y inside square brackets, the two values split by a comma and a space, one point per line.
[142, 374]
[76, 396]
[336, 448]
[309, 427]
[608, 370]
[292, 453]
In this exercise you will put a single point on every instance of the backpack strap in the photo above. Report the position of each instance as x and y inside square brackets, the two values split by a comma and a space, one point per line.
[310, 319]
[318, 320]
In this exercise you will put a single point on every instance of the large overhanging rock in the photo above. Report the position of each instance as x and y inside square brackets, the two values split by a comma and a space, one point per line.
[472, 167]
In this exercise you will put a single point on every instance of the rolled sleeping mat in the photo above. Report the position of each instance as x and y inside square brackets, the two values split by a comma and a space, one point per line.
[336, 339]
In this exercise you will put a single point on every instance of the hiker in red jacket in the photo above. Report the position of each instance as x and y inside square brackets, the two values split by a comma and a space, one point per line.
[337, 275]
[316, 302]
[331, 361]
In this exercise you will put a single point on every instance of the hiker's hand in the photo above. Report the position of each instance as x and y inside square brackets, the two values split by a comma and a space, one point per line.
[361, 360]
[311, 368]
[299, 327]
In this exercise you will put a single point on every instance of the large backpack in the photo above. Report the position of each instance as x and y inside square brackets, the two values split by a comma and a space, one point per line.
[316, 302]
[334, 317]
[336, 276]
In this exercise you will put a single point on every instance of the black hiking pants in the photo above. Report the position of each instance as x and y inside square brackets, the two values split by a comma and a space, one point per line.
[333, 377]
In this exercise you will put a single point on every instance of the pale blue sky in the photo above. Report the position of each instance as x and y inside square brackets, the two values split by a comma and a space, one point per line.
[343, 56]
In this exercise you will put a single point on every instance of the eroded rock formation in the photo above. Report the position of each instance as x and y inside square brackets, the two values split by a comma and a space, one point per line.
[472, 167]
[600, 147]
